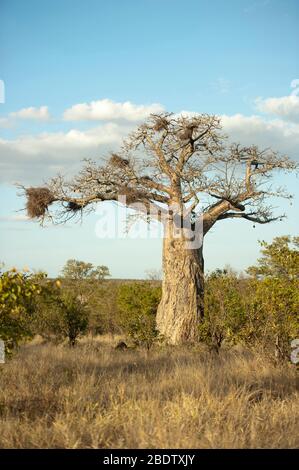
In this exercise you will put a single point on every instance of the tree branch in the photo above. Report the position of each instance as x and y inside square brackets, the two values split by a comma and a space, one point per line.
[250, 217]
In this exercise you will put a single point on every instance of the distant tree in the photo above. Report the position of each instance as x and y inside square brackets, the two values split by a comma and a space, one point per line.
[153, 274]
[101, 272]
[79, 270]
[75, 269]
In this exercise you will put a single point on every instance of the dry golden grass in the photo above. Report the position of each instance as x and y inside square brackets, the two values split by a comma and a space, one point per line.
[95, 396]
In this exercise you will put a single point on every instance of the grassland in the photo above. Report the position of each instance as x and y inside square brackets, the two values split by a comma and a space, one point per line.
[97, 397]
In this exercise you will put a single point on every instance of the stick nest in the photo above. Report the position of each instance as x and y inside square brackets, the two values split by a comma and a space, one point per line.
[118, 162]
[161, 124]
[132, 194]
[38, 200]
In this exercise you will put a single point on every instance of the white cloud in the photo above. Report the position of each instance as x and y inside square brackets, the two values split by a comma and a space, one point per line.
[40, 114]
[278, 134]
[106, 110]
[286, 107]
[33, 158]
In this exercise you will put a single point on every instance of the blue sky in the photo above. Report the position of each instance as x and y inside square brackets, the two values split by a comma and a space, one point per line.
[235, 58]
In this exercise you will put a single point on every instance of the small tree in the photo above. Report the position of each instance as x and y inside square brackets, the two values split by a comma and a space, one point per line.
[101, 272]
[87, 279]
[138, 303]
[75, 317]
[153, 274]
[62, 314]
[280, 259]
[79, 270]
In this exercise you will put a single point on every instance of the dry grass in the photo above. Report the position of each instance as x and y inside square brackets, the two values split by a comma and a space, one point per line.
[98, 397]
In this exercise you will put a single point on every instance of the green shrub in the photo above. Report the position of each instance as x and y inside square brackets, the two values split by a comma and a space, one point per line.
[273, 315]
[18, 293]
[273, 309]
[138, 303]
[280, 259]
[225, 313]
[62, 314]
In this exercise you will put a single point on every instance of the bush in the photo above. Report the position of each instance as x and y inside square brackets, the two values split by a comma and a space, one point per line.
[262, 311]
[138, 303]
[74, 317]
[101, 299]
[273, 315]
[18, 294]
[280, 259]
[274, 292]
[62, 314]
[225, 313]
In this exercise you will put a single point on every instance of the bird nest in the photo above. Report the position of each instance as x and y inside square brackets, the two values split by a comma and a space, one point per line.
[132, 195]
[38, 200]
[161, 124]
[117, 161]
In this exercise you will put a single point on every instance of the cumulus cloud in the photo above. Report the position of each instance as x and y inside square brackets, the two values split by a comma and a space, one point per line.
[286, 107]
[39, 114]
[32, 158]
[107, 110]
[278, 134]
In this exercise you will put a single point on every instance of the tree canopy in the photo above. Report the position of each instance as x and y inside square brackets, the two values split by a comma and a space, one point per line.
[280, 259]
[172, 160]
[75, 269]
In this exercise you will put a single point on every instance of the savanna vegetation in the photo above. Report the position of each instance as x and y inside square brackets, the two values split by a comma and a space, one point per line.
[173, 397]
[86, 366]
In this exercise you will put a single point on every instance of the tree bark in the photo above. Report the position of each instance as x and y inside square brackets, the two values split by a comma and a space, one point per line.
[182, 303]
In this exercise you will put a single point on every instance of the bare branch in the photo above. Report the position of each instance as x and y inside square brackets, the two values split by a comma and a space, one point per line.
[170, 159]
[250, 217]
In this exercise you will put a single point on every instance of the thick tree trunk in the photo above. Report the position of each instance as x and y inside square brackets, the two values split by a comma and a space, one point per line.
[182, 304]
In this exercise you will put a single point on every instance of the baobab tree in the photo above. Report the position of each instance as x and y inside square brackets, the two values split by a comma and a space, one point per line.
[183, 171]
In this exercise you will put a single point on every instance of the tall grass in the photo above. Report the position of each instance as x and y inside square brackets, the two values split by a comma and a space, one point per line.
[95, 396]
